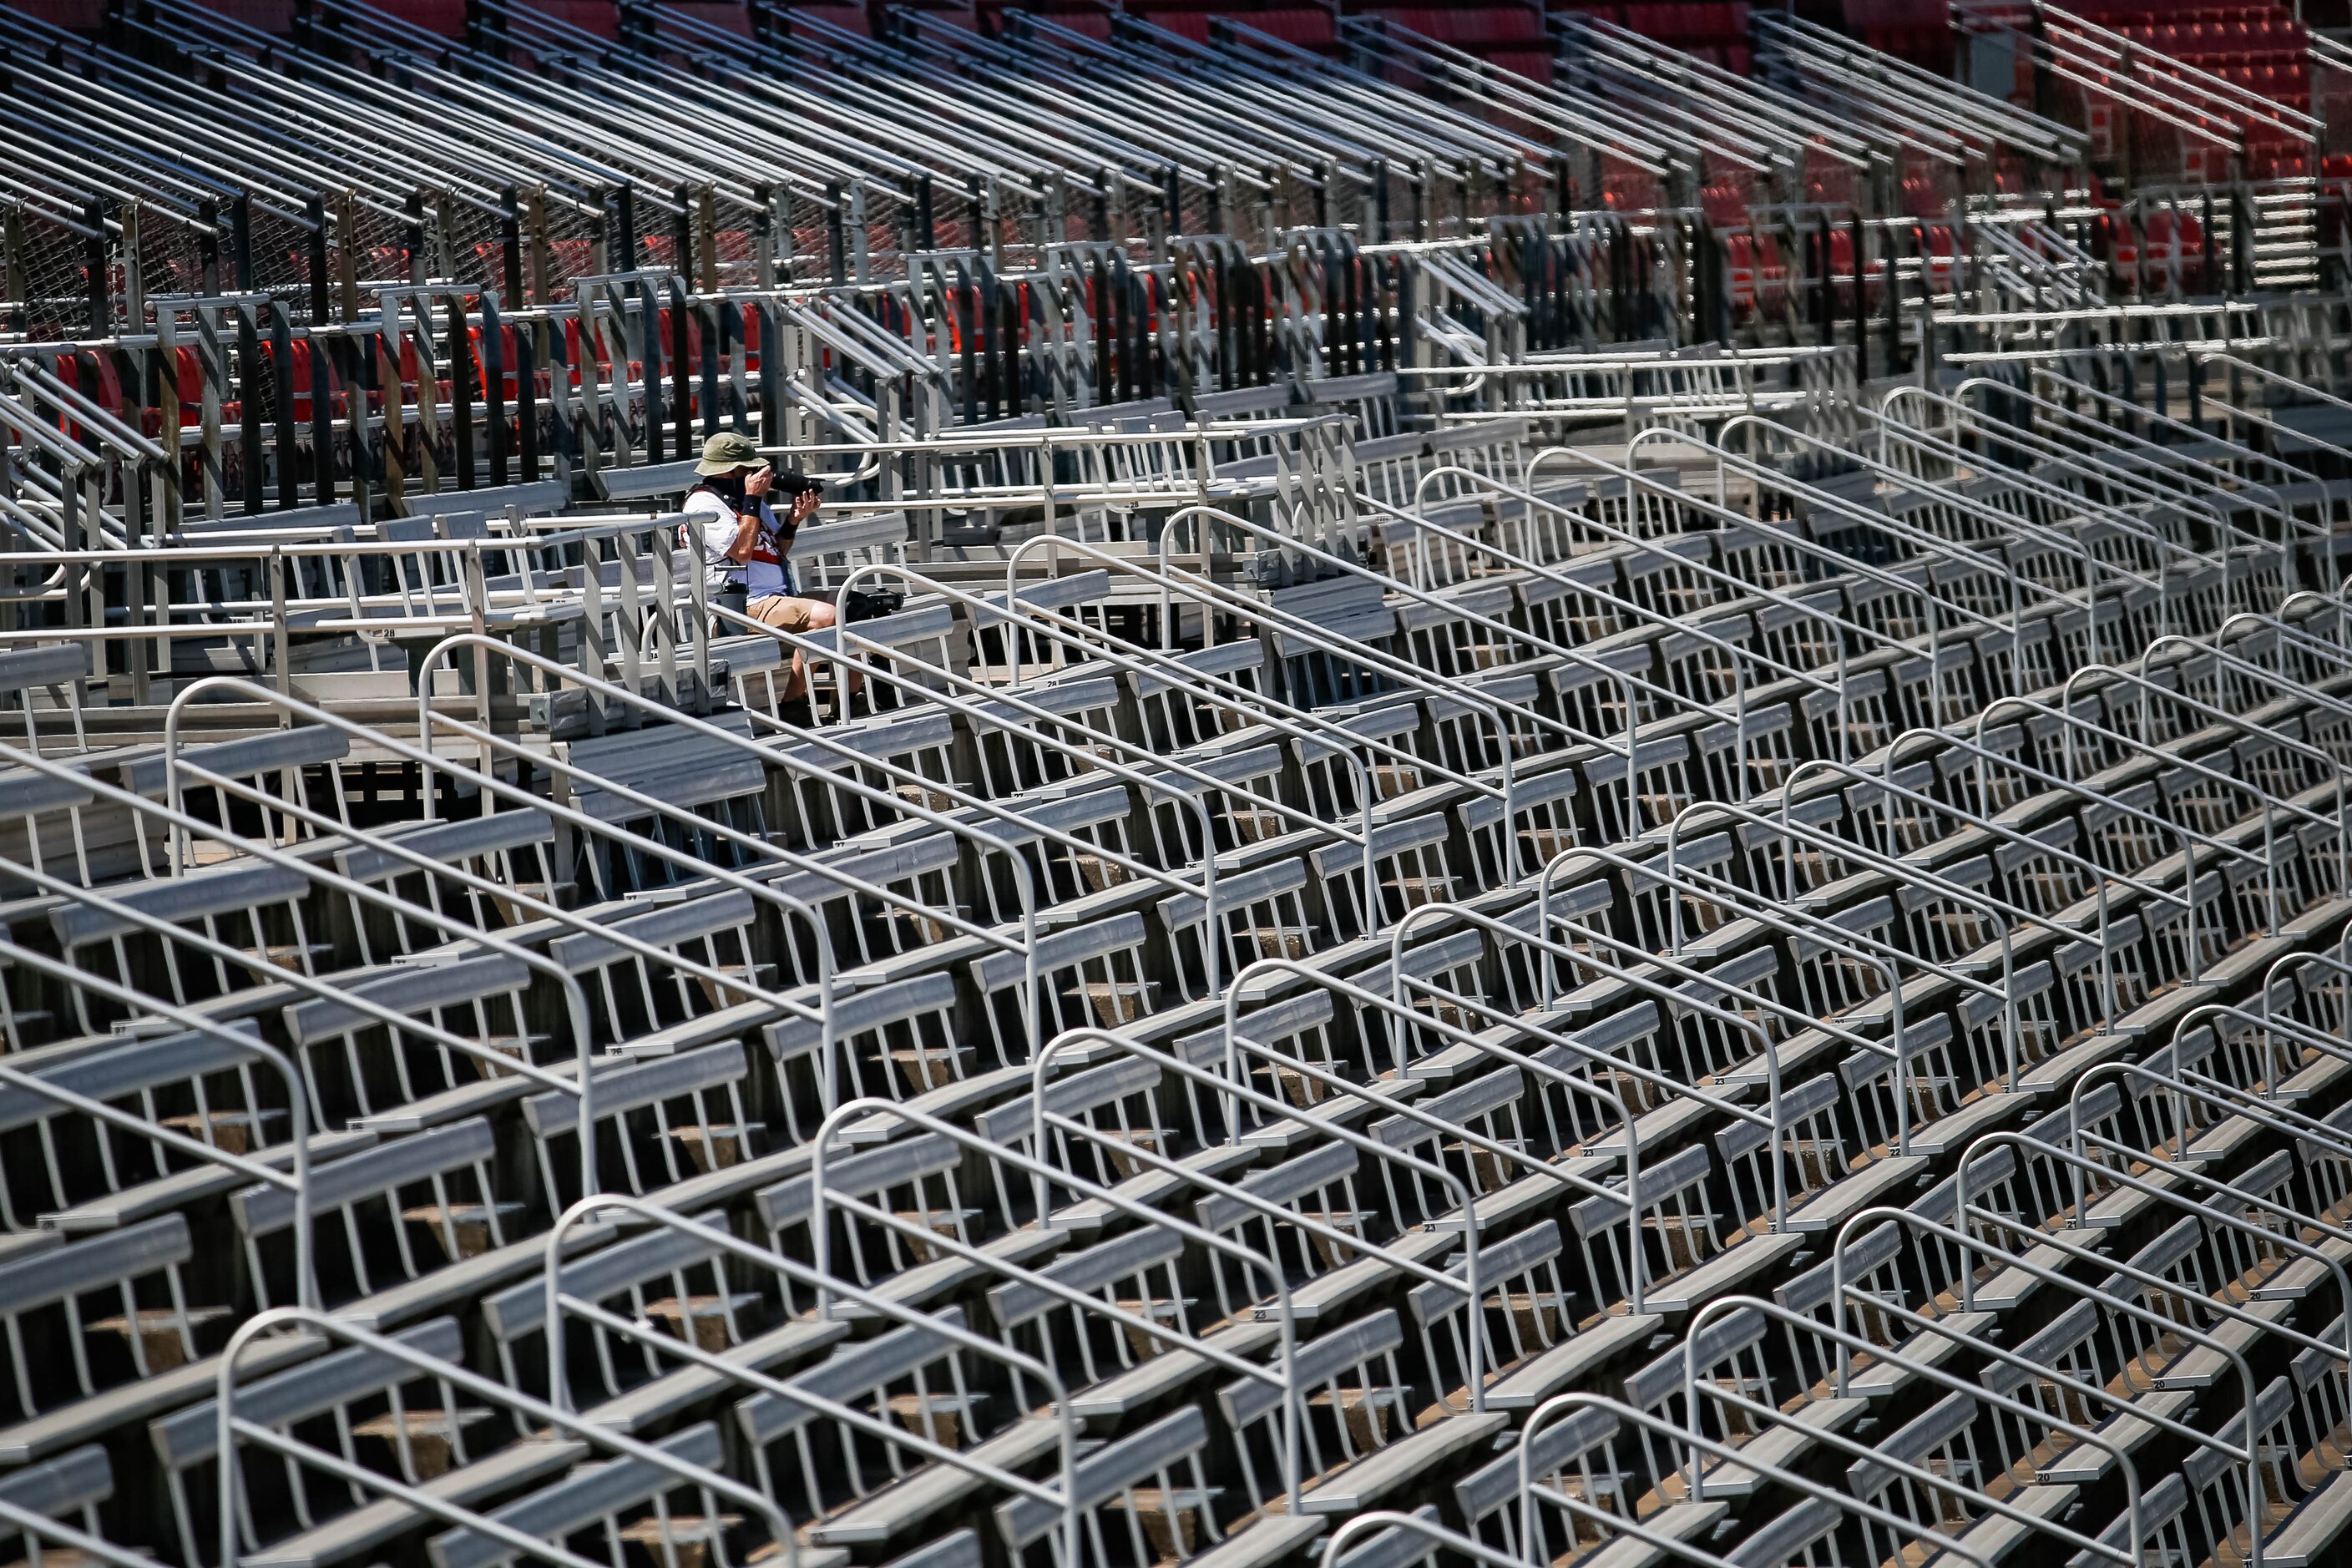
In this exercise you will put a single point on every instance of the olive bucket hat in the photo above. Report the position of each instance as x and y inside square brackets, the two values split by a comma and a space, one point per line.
[728, 451]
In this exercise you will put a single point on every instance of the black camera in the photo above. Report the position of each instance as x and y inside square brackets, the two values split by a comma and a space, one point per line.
[792, 483]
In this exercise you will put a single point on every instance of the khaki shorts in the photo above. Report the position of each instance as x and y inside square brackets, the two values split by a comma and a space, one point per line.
[787, 613]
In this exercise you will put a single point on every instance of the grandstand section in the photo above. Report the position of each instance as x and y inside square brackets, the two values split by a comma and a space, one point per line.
[1573, 789]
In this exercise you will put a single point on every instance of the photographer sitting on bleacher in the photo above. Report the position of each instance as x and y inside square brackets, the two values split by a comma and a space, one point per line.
[744, 542]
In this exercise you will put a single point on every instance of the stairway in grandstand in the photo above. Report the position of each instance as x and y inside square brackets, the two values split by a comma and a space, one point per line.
[2263, 53]
[2286, 234]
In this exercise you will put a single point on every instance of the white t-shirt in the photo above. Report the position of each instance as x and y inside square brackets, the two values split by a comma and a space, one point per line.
[762, 576]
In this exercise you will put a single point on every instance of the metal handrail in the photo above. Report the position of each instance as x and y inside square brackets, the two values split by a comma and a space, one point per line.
[2070, 721]
[1984, 754]
[2270, 803]
[2288, 521]
[1788, 920]
[1786, 924]
[233, 1426]
[1946, 496]
[977, 714]
[1389, 1519]
[1858, 67]
[1403, 1107]
[1724, 1306]
[1999, 912]
[1303, 724]
[577, 997]
[710, 975]
[1668, 1546]
[1882, 522]
[2234, 416]
[1742, 659]
[1772, 1121]
[1396, 669]
[822, 1199]
[2186, 1086]
[1387, 665]
[2066, 457]
[1884, 783]
[2133, 478]
[2250, 1455]
[1316, 1228]
[2334, 651]
[298, 1100]
[2216, 1093]
[1761, 474]
[32, 1522]
[2237, 362]
[2298, 690]
[1024, 881]
[2002, 914]
[726, 1241]
[1683, 625]
[1296, 628]
[527, 590]
[297, 541]
[1229, 1083]
[2340, 961]
[1059, 436]
[2247, 667]
[1925, 438]
[2313, 1038]
[1485, 623]
[2183, 1170]
[272, 855]
[1135, 658]
[1396, 1010]
[181, 823]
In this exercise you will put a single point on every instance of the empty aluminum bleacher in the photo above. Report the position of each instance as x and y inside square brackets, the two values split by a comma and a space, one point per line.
[1370, 876]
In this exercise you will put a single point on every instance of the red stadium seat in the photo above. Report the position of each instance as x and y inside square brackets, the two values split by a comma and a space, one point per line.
[1308, 26]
